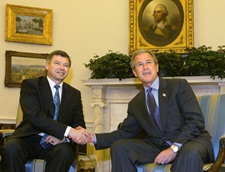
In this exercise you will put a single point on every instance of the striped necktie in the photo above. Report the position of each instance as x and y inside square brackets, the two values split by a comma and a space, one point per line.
[56, 101]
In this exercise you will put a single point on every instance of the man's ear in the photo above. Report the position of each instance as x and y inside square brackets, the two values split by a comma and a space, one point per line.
[134, 72]
[46, 65]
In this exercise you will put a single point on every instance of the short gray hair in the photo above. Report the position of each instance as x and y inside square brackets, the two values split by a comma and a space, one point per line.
[58, 53]
[138, 52]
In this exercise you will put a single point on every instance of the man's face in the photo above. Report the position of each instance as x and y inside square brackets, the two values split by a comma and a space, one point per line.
[158, 14]
[58, 68]
[145, 69]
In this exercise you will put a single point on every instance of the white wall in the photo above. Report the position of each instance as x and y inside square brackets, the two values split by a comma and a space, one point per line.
[209, 23]
[85, 27]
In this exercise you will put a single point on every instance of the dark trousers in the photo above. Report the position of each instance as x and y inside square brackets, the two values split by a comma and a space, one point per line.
[17, 151]
[126, 154]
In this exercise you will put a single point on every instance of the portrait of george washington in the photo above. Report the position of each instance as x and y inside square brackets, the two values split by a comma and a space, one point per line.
[160, 21]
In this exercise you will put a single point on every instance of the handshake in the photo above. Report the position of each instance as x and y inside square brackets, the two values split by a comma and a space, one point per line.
[81, 136]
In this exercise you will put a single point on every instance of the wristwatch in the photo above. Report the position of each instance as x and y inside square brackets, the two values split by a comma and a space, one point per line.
[175, 148]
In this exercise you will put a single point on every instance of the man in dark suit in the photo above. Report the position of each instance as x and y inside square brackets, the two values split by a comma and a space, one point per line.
[176, 135]
[36, 100]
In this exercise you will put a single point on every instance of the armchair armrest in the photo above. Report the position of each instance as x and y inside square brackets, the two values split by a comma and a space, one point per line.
[220, 158]
[4, 133]
[223, 136]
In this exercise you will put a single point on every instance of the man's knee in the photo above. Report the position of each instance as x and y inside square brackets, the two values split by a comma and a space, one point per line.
[65, 152]
[11, 148]
[119, 145]
[192, 153]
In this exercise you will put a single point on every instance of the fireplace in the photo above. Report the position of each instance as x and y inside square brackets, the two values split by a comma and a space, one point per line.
[111, 97]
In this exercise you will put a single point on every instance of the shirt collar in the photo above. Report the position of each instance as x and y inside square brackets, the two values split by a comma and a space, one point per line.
[52, 84]
[154, 86]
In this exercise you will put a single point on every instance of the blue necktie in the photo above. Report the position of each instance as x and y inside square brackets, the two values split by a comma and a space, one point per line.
[154, 109]
[56, 101]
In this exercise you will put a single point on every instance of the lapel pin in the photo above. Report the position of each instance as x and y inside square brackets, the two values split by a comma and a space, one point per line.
[164, 95]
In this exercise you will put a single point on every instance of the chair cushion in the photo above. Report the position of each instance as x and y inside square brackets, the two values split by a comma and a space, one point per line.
[153, 168]
[35, 165]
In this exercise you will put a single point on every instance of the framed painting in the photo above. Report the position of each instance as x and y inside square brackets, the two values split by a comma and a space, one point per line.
[28, 24]
[22, 65]
[161, 25]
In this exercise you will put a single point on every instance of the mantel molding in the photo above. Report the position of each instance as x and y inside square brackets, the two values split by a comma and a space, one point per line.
[135, 81]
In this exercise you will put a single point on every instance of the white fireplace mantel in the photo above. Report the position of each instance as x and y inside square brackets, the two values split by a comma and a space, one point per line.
[135, 81]
[110, 98]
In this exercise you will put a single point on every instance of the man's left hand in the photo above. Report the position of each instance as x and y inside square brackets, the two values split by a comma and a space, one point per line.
[53, 140]
[165, 156]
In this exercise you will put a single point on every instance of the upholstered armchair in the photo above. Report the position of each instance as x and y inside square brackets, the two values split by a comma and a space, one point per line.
[33, 165]
[213, 109]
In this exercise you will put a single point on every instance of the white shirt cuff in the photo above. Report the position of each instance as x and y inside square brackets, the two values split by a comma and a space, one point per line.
[67, 131]
[95, 139]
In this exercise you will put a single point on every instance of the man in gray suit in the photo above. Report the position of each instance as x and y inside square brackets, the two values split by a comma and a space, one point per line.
[174, 127]
[44, 132]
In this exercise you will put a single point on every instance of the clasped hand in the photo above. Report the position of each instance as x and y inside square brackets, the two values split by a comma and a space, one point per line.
[80, 135]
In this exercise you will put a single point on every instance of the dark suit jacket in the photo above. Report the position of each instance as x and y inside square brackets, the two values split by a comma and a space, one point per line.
[37, 104]
[181, 118]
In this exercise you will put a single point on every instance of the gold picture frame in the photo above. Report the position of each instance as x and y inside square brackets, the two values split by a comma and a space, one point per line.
[179, 25]
[28, 24]
[22, 65]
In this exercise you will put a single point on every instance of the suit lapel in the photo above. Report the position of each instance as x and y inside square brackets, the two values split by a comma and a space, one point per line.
[163, 102]
[142, 106]
[47, 95]
[63, 100]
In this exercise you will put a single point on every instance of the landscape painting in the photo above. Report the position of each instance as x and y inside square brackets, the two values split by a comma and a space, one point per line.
[29, 25]
[20, 66]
